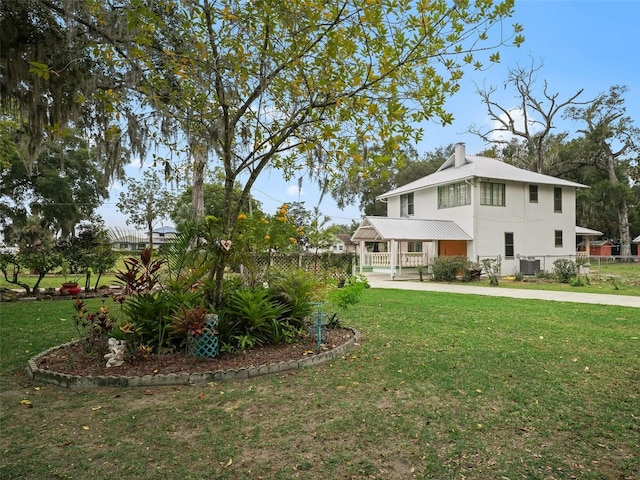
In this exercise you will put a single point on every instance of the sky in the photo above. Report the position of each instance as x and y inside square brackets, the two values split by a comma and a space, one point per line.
[582, 44]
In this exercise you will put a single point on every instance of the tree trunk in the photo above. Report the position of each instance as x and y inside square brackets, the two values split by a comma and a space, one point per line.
[197, 192]
[150, 235]
[625, 234]
[623, 209]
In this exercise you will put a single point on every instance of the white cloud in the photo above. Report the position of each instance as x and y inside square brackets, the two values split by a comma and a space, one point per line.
[517, 115]
[295, 191]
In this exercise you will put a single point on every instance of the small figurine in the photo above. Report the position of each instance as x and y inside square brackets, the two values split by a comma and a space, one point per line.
[115, 357]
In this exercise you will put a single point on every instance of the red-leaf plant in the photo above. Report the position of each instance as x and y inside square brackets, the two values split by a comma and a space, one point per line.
[140, 276]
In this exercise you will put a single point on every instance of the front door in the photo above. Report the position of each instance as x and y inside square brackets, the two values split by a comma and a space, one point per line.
[452, 248]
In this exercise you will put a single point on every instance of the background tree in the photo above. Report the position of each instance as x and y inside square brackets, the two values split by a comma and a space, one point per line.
[52, 80]
[611, 144]
[65, 187]
[146, 202]
[320, 233]
[213, 201]
[88, 253]
[531, 119]
[404, 168]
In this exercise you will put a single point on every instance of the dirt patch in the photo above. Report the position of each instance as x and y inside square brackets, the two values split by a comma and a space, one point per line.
[73, 359]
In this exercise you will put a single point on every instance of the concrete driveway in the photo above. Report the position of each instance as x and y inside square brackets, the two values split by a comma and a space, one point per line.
[378, 280]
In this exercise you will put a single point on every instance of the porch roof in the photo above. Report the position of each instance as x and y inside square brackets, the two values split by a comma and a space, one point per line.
[587, 232]
[413, 229]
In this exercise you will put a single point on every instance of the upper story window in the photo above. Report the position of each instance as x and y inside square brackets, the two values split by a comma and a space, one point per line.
[406, 204]
[492, 194]
[533, 193]
[557, 200]
[454, 195]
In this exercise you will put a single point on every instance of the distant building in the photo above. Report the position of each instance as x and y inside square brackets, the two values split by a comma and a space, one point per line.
[343, 244]
[163, 235]
[134, 241]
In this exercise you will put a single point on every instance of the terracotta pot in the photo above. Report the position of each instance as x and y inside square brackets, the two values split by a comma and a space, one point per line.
[70, 288]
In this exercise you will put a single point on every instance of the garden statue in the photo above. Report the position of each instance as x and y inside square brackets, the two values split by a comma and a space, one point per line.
[115, 357]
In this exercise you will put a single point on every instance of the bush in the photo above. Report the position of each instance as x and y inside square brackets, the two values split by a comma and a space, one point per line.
[445, 269]
[350, 293]
[492, 267]
[564, 270]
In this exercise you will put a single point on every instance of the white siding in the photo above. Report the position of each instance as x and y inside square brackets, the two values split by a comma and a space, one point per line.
[533, 224]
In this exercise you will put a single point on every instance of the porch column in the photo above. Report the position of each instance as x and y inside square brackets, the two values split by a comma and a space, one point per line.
[392, 258]
[361, 253]
[587, 245]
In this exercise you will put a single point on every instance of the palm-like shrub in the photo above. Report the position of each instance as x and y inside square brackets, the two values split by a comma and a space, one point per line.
[296, 290]
[250, 318]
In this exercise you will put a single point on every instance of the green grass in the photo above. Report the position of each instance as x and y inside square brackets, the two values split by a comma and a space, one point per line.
[442, 386]
[55, 281]
[603, 286]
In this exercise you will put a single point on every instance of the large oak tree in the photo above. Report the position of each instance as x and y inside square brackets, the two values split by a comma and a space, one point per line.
[296, 85]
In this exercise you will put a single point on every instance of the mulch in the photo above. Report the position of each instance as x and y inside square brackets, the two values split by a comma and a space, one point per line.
[73, 359]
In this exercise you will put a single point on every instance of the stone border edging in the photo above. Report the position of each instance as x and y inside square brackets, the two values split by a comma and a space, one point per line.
[41, 376]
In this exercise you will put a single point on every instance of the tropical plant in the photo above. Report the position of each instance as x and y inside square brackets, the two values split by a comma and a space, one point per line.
[149, 309]
[188, 321]
[296, 290]
[141, 275]
[94, 327]
[250, 318]
[150, 316]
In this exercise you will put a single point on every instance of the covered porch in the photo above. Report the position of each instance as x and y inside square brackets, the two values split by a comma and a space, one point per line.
[588, 236]
[398, 246]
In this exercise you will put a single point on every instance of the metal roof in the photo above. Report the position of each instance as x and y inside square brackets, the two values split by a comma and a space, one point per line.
[479, 167]
[587, 232]
[386, 228]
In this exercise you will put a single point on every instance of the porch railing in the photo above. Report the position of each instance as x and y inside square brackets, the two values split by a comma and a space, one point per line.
[406, 259]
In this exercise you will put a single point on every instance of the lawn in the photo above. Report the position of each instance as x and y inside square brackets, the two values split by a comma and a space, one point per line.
[442, 386]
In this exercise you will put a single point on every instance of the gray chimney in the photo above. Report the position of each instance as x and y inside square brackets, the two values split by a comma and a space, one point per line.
[459, 155]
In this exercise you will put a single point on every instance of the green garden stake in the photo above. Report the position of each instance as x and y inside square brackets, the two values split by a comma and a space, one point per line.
[319, 325]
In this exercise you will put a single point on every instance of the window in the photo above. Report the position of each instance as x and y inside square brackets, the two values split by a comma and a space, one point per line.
[414, 247]
[557, 200]
[558, 238]
[406, 204]
[492, 194]
[533, 193]
[454, 195]
[508, 245]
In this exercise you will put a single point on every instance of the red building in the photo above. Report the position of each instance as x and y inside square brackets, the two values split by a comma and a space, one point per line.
[600, 248]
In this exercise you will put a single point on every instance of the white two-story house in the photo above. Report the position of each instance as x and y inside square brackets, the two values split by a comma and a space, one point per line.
[477, 207]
